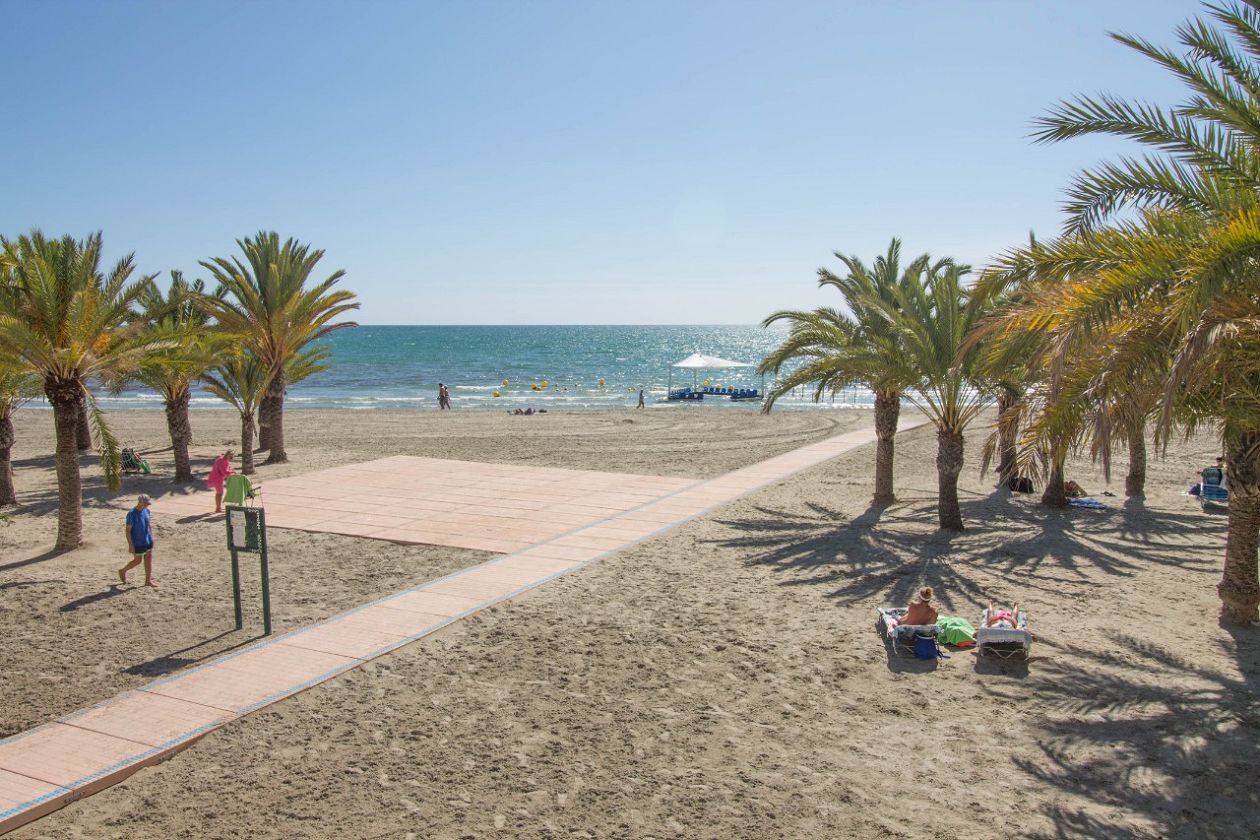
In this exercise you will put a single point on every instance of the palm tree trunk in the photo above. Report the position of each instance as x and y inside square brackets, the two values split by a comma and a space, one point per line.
[949, 463]
[887, 411]
[83, 427]
[247, 444]
[8, 496]
[266, 415]
[180, 431]
[275, 392]
[1239, 588]
[1007, 433]
[1054, 494]
[66, 398]
[1135, 481]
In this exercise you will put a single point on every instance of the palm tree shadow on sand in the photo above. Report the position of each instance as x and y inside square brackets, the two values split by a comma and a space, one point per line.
[1172, 741]
[1108, 724]
[882, 555]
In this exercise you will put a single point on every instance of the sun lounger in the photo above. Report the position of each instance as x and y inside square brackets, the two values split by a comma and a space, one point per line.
[1213, 494]
[133, 463]
[901, 636]
[1003, 641]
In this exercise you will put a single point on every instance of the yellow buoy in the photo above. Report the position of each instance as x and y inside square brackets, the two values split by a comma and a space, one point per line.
[601, 381]
[496, 393]
[505, 382]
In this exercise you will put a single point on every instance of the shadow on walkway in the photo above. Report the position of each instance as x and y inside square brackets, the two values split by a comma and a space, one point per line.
[174, 661]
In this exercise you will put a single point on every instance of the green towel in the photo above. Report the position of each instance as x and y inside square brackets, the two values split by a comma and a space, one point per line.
[955, 631]
[236, 489]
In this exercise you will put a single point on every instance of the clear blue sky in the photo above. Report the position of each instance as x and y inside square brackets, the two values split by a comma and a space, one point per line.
[557, 162]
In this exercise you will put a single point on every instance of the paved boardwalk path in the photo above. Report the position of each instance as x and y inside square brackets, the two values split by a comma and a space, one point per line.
[47, 767]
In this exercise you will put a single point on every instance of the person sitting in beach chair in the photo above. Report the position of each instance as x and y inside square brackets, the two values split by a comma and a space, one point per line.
[1003, 633]
[1211, 487]
[133, 463]
[900, 625]
[921, 610]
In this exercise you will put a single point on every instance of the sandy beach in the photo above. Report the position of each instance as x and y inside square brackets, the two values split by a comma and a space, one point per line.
[720, 680]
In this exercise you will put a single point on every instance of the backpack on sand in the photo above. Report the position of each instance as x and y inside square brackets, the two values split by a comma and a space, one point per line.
[925, 647]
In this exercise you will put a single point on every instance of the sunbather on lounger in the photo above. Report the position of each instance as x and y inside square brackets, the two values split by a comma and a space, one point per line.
[921, 609]
[1002, 618]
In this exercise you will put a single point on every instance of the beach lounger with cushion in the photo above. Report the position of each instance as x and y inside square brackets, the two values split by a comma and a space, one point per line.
[1005, 642]
[901, 636]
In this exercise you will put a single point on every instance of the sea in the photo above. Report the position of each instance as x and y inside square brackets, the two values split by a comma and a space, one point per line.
[510, 367]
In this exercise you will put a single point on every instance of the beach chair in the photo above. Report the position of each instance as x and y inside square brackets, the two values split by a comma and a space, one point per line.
[1004, 642]
[1211, 488]
[133, 463]
[900, 637]
[1213, 494]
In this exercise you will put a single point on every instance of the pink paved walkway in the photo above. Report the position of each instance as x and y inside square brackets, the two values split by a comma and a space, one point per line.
[465, 504]
[46, 768]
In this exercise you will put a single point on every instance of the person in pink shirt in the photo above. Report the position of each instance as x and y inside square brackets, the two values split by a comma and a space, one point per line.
[218, 475]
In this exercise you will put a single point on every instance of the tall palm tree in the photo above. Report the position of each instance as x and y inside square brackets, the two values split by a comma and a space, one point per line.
[242, 380]
[1205, 166]
[16, 387]
[858, 347]
[266, 304]
[1007, 369]
[193, 349]
[932, 319]
[65, 320]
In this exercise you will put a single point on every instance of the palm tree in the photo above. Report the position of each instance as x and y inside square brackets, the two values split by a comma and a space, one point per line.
[242, 381]
[16, 387]
[1007, 368]
[265, 304]
[193, 350]
[1206, 169]
[840, 349]
[932, 318]
[64, 320]
[1055, 384]
[1177, 300]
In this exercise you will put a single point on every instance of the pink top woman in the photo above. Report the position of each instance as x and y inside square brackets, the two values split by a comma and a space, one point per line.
[218, 475]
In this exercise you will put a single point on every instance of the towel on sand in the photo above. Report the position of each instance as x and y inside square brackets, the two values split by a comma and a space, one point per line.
[955, 631]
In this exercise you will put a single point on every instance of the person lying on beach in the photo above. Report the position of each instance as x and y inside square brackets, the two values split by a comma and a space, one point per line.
[1003, 618]
[921, 609]
[518, 412]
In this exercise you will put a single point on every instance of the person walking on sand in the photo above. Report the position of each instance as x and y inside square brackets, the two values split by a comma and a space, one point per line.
[444, 397]
[640, 405]
[139, 540]
[218, 475]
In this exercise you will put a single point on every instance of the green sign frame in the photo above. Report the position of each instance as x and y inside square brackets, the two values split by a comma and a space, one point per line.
[247, 532]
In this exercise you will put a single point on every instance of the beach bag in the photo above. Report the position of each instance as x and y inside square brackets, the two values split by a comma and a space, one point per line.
[925, 647]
